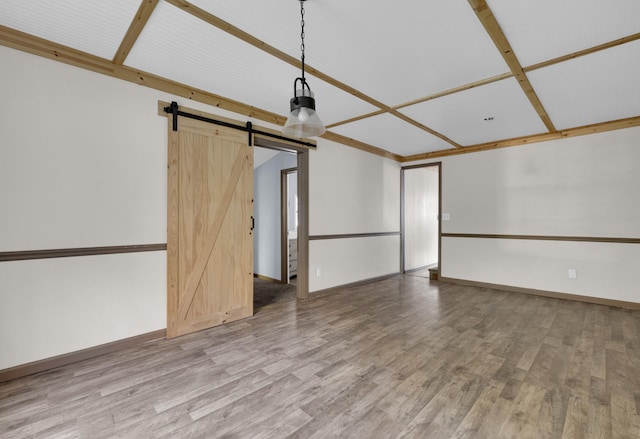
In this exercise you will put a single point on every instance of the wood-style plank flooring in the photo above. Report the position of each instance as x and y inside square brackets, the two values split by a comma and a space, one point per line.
[400, 358]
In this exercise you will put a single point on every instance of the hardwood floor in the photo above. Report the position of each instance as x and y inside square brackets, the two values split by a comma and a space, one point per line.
[401, 358]
[266, 292]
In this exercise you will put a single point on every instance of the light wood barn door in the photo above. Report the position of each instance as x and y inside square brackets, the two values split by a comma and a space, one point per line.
[209, 230]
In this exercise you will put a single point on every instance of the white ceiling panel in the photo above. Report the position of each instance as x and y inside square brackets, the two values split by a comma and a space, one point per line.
[332, 104]
[202, 56]
[392, 134]
[600, 87]
[461, 116]
[93, 26]
[392, 52]
[176, 45]
[276, 22]
[545, 29]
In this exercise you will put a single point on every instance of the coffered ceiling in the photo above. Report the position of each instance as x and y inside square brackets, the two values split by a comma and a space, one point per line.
[408, 80]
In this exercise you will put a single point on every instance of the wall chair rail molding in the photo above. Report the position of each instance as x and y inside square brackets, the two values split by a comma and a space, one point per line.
[352, 235]
[76, 252]
[546, 238]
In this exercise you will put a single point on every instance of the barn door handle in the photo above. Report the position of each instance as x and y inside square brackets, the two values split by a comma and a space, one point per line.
[253, 223]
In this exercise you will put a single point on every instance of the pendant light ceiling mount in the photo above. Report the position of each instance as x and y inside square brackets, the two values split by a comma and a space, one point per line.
[303, 120]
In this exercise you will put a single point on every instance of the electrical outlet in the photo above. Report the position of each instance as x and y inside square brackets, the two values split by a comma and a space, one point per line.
[573, 274]
[446, 217]
[318, 272]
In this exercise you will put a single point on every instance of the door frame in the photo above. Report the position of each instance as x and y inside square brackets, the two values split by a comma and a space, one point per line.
[284, 223]
[402, 212]
[302, 280]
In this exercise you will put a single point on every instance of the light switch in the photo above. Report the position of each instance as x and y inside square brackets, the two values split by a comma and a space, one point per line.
[573, 274]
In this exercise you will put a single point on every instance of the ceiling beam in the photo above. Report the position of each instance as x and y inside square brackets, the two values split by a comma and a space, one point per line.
[195, 94]
[486, 81]
[497, 78]
[494, 30]
[282, 56]
[572, 132]
[135, 28]
[400, 116]
[455, 90]
[584, 52]
[328, 135]
[47, 49]
[38, 46]
[355, 119]
[425, 128]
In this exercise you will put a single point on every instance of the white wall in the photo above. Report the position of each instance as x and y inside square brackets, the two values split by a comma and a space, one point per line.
[83, 164]
[266, 210]
[607, 271]
[584, 186]
[343, 261]
[352, 192]
[50, 307]
[581, 186]
[421, 196]
[82, 161]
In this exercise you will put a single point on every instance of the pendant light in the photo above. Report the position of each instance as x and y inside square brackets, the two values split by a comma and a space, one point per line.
[303, 120]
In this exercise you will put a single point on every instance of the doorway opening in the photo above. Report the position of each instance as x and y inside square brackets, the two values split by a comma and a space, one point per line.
[420, 220]
[281, 222]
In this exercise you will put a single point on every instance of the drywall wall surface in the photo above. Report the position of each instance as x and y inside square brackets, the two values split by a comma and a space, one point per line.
[602, 270]
[267, 213]
[83, 163]
[335, 262]
[50, 307]
[585, 187]
[421, 217]
[352, 191]
[83, 158]
[580, 186]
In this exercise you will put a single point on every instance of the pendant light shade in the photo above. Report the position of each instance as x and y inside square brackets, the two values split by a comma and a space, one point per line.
[303, 120]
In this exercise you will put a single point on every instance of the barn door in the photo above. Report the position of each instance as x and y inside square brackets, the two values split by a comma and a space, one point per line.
[209, 230]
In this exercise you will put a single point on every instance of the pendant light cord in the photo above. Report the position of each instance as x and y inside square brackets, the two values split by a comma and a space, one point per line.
[302, 36]
[303, 120]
